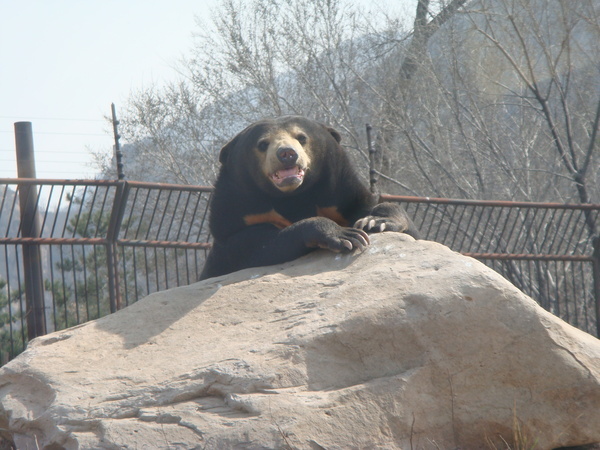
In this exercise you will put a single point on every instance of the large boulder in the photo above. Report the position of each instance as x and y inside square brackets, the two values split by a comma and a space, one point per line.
[406, 345]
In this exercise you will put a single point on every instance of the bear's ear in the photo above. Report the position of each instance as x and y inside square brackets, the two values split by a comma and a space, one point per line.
[224, 153]
[334, 133]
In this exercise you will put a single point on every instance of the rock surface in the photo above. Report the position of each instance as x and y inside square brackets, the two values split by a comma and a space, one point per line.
[406, 345]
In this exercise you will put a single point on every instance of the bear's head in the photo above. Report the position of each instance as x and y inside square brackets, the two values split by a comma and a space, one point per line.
[280, 156]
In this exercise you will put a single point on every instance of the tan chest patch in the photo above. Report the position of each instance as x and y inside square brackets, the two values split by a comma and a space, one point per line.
[272, 217]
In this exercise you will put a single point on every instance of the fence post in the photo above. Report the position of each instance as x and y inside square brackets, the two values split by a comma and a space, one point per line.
[30, 228]
[372, 151]
[112, 236]
[117, 136]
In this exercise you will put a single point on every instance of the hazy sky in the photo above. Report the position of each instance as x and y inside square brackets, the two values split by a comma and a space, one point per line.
[62, 63]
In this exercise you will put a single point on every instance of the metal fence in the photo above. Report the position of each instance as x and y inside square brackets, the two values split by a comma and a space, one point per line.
[98, 246]
[93, 247]
[550, 251]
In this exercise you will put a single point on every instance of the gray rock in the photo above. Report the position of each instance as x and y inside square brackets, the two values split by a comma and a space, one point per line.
[406, 345]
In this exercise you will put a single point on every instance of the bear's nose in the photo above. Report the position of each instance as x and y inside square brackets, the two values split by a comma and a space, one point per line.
[287, 155]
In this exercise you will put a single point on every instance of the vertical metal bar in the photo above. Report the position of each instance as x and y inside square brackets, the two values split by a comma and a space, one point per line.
[86, 292]
[576, 314]
[151, 221]
[110, 263]
[13, 208]
[141, 219]
[372, 171]
[175, 209]
[183, 215]
[204, 216]
[465, 229]
[565, 242]
[165, 268]
[58, 208]
[587, 293]
[125, 275]
[422, 225]
[163, 216]
[20, 291]
[112, 258]
[117, 136]
[11, 316]
[75, 287]
[157, 273]
[490, 212]
[582, 239]
[68, 212]
[47, 210]
[103, 207]
[53, 289]
[64, 286]
[571, 284]
[90, 215]
[129, 220]
[147, 270]
[556, 234]
[79, 213]
[452, 222]
[524, 229]
[187, 265]
[4, 195]
[135, 271]
[176, 252]
[97, 281]
[562, 302]
[545, 224]
[32, 261]
[197, 265]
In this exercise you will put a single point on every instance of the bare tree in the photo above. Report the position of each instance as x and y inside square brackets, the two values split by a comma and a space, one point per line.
[503, 105]
[247, 65]
[551, 57]
[486, 99]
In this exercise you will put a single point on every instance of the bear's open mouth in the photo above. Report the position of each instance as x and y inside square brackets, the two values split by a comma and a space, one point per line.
[288, 177]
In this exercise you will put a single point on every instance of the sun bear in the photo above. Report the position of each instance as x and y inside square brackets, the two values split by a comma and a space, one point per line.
[286, 187]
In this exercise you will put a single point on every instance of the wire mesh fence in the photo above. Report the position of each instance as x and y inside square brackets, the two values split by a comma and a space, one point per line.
[92, 247]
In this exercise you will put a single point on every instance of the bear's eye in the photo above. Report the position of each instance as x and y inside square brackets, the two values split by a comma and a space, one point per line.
[263, 146]
[302, 139]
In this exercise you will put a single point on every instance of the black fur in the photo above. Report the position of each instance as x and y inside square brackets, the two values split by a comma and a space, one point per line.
[254, 223]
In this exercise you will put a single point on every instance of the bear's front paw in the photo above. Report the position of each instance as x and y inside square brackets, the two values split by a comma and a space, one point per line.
[386, 217]
[374, 224]
[345, 240]
[320, 232]
[351, 239]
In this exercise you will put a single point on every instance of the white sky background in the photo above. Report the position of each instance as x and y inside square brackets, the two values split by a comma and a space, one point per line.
[63, 62]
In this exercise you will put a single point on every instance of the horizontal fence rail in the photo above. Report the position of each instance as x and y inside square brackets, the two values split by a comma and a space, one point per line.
[96, 246]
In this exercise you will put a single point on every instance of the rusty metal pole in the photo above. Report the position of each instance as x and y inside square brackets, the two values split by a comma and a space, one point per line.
[30, 227]
[117, 136]
[372, 171]
[112, 249]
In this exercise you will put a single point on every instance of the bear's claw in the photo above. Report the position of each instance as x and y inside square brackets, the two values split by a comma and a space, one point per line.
[376, 224]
